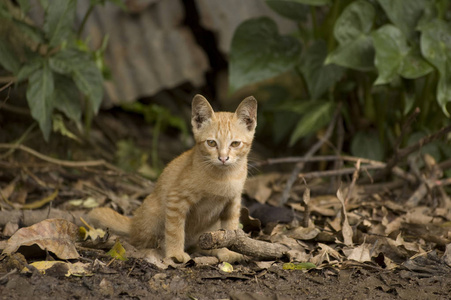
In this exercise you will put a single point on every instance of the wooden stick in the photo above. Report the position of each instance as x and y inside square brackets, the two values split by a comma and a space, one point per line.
[298, 168]
[410, 149]
[64, 163]
[238, 241]
[374, 164]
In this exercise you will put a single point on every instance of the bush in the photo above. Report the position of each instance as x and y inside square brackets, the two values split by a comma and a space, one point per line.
[60, 71]
[380, 59]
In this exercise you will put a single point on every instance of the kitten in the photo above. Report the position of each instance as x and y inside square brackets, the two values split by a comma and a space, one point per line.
[199, 191]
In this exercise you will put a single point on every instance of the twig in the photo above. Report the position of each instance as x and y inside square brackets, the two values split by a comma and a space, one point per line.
[330, 173]
[13, 271]
[19, 141]
[355, 176]
[6, 85]
[405, 127]
[340, 141]
[410, 149]
[299, 166]
[236, 240]
[64, 163]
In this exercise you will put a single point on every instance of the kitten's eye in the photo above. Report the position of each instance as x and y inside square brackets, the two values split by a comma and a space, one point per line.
[211, 143]
[235, 144]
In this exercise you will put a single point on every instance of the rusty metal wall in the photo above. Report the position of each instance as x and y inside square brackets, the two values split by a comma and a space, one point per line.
[150, 49]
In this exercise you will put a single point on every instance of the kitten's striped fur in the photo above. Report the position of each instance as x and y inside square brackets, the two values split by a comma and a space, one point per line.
[198, 191]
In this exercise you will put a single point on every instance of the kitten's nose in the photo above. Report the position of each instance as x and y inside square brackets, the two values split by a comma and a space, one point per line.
[223, 159]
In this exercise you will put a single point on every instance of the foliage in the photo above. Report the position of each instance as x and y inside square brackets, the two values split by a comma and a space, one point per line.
[379, 58]
[61, 73]
[161, 118]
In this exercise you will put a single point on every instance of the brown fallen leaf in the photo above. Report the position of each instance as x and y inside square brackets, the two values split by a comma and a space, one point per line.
[258, 187]
[65, 268]
[55, 235]
[346, 229]
[360, 253]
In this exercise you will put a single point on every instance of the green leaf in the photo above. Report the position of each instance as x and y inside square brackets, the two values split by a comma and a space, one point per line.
[436, 48]
[33, 32]
[8, 59]
[405, 14]
[258, 52]
[24, 5]
[118, 251]
[299, 266]
[29, 68]
[39, 97]
[394, 57]
[67, 97]
[367, 145]
[59, 19]
[352, 30]
[316, 118]
[83, 71]
[290, 9]
[319, 77]
[414, 66]
[59, 126]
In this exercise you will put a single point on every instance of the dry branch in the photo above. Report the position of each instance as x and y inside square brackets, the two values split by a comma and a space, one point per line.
[299, 166]
[410, 149]
[238, 241]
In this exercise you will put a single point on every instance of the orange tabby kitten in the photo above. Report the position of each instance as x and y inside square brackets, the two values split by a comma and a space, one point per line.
[199, 191]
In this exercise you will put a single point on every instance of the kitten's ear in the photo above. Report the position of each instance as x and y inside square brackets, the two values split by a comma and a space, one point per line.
[201, 111]
[247, 113]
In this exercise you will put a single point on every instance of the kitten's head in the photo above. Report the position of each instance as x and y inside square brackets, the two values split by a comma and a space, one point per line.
[224, 138]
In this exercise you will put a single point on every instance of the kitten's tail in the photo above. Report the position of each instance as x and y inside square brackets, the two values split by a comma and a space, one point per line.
[108, 218]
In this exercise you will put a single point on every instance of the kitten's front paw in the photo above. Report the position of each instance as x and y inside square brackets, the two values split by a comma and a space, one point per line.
[179, 257]
[225, 254]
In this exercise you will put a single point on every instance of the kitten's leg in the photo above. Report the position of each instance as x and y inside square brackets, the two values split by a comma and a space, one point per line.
[230, 219]
[175, 217]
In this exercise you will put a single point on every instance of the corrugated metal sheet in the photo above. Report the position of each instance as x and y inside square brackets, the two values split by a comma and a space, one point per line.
[147, 51]
[151, 49]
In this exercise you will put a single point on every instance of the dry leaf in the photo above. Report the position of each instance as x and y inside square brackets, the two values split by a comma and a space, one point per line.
[324, 254]
[225, 267]
[55, 235]
[118, 251]
[249, 223]
[76, 269]
[10, 229]
[303, 233]
[92, 232]
[414, 247]
[346, 229]
[447, 256]
[258, 187]
[360, 253]
[261, 265]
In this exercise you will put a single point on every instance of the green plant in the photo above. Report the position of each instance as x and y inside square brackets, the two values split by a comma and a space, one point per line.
[379, 58]
[61, 72]
[161, 118]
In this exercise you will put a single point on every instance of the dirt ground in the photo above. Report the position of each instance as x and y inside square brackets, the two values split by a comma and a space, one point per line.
[416, 238]
[137, 279]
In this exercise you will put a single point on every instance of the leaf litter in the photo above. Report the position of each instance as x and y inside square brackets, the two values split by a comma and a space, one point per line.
[359, 226]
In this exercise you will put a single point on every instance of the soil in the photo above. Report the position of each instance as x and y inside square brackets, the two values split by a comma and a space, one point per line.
[425, 277]
[137, 279]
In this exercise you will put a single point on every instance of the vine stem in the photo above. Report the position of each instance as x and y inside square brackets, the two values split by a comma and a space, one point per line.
[85, 19]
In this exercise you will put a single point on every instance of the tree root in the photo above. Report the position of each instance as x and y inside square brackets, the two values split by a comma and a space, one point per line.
[238, 241]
